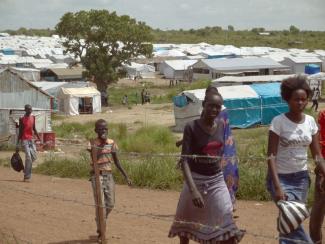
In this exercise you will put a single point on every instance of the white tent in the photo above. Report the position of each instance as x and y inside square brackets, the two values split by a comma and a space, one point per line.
[73, 101]
[175, 69]
[140, 70]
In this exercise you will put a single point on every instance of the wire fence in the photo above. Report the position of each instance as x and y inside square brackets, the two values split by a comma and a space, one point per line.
[151, 216]
[143, 215]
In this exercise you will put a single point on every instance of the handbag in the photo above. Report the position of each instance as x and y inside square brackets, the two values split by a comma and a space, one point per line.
[16, 162]
[291, 215]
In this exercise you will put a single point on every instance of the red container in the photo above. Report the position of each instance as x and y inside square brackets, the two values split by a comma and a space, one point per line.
[49, 140]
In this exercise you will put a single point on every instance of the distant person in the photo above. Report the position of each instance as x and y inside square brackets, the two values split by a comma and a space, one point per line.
[125, 100]
[104, 153]
[315, 97]
[104, 98]
[147, 96]
[318, 208]
[142, 96]
[136, 98]
[205, 200]
[25, 139]
[290, 136]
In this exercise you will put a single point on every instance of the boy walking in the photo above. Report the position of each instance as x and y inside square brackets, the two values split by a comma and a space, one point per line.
[104, 153]
[25, 139]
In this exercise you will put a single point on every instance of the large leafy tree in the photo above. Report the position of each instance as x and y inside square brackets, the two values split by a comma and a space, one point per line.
[102, 41]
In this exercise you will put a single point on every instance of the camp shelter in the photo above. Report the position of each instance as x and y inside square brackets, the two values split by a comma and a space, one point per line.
[176, 69]
[248, 80]
[271, 102]
[243, 105]
[62, 74]
[216, 68]
[74, 101]
[15, 93]
[247, 105]
[298, 64]
[27, 73]
[136, 70]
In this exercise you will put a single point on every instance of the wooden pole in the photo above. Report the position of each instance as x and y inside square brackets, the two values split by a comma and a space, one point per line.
[99, 202]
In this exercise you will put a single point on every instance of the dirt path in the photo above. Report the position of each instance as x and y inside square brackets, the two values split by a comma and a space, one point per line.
[28, 213]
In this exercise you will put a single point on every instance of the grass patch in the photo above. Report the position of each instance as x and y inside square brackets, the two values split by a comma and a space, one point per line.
[145, 139]
[160, 172]
[65, 168]
[86, 131]
[7, 147]
[151, 139]
[159, 94]
[5, 162]
[154, 173]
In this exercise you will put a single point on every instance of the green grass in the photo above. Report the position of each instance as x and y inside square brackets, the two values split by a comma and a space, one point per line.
[160, 172]
[5, 162]
[150, 139]
[159, 94]
[86, 131]
[64, 167]
[155, 173]
[7, 147]
[145, 139]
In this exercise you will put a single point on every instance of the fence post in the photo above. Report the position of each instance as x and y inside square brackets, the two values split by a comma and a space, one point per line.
[99, 202]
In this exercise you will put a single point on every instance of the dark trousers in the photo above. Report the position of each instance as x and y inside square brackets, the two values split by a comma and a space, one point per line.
[315, 104]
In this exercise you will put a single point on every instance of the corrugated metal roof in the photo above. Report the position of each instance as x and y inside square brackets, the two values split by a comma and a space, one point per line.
[242, 64]
[253, 78]
[305, 59]
[15, 92]
[66, 73]
[180, 64]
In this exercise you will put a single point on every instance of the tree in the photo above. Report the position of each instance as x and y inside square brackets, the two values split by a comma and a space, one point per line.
[231, 28]
[103, 41]
[258, 30]
[294, 30]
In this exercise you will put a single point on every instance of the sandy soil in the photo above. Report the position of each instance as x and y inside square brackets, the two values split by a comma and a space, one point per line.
[138, 115]
[54, 210]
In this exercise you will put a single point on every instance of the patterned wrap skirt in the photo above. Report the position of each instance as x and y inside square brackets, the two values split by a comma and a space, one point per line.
[214, 222]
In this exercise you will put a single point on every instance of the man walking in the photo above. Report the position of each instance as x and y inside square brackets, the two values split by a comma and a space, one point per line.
[314, 99]
[25, 139]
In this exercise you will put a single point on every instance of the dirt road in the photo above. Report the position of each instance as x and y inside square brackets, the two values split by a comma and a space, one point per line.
[54, 210]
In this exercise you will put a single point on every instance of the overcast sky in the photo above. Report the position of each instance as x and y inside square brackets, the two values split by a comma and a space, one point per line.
[173, 14]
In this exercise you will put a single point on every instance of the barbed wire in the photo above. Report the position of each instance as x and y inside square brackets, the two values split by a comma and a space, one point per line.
[178, 155]
[152, 216]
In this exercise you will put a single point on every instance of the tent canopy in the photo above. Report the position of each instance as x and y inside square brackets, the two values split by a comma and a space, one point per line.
[247, 105]
[80, 92]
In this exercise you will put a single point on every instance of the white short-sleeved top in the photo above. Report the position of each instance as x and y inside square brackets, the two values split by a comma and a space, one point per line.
[293, 142]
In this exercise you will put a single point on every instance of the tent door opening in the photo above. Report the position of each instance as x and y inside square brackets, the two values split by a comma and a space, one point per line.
[86, 105]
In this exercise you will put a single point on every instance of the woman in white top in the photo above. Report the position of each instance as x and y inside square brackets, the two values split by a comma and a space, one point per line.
[290, 135]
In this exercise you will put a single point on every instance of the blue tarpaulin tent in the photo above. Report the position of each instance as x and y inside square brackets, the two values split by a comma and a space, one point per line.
[247, 105]
[272, 103]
